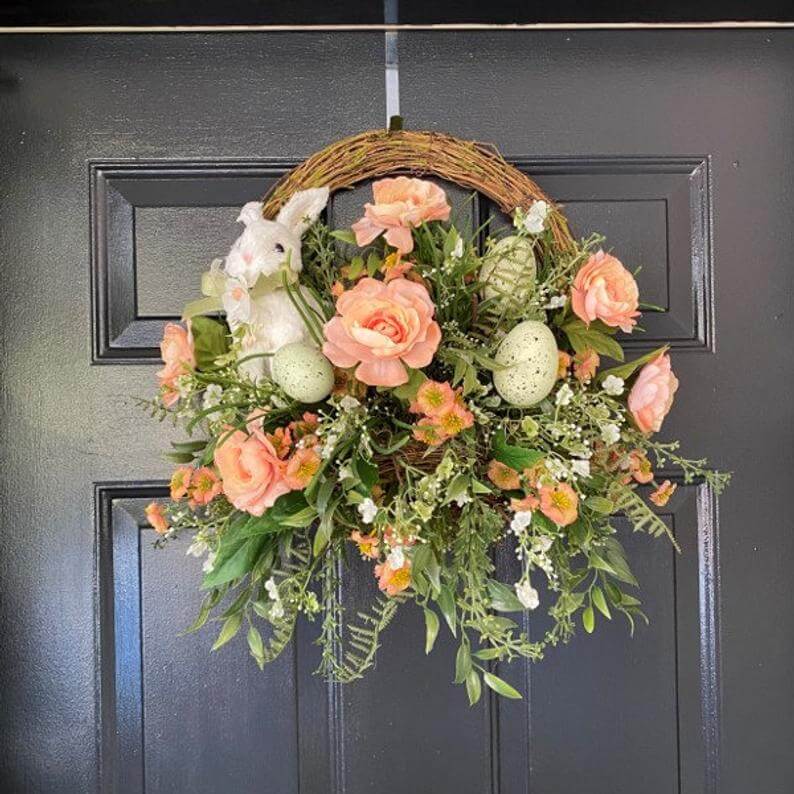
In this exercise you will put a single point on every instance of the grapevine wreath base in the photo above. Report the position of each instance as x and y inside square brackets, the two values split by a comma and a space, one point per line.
[419, 394]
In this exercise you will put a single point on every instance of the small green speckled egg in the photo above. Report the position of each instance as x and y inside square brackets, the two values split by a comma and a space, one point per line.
[303, 372]
[530, 353]
[509, 270]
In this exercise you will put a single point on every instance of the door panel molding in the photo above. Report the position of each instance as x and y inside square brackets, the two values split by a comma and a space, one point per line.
[681, 241]
[121, 333]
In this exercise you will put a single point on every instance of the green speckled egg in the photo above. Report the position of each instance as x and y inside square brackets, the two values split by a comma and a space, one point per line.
[509, 270]
[530, 353]
[303, 372]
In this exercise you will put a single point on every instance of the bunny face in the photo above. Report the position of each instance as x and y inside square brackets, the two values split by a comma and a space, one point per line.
[265, 245]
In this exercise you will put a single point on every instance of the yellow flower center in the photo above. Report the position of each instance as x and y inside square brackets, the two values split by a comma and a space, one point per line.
[561, 500]
[401, 578]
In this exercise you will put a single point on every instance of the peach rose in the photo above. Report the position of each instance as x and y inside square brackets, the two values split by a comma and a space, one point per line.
[176, 350]
[382, 328]
[604, 290]
[251, 471]
[400, 204]
[652, 394]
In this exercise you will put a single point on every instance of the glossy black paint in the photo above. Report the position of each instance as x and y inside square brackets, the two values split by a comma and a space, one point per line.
[123, 161]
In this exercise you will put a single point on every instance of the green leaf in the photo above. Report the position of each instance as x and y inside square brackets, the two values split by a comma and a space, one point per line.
[235, 559]
[626, 370]
[189, 446]
[289, 511]
[179, 457]
[210, 340]
[581, 338]
[446, 603]
[462, 663]
[325, 528]
[432, 624]
[256, 646]
[408, 390]
[517, 458]
[366, 472]
[600, 563]
[501, 687]
[600, 602]
[588, 620]
[228, 630]
[473, 687]
[503, 598]
[488, 654]
[598, 504]
[344, 235]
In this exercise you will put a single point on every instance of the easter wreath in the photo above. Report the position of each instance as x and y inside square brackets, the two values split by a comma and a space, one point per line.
[417, 394]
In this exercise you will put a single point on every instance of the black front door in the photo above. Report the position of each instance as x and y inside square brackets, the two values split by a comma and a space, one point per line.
[124, 158]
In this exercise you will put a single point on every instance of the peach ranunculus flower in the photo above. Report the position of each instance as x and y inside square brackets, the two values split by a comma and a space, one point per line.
[177, 353]
[661, 496]
[401, 204]
[302, 467]
[251, 471]
[559, 503]
[652, 394]
[526, 503]
[604, 290]
[563, 364]
[367, 544]
[585, 365]
[639, 467]
[393, 580]
[433, 398]
[180, 482]
[155, 515]
[503, 476]
[205, 485]
[428, 432]
[383, 328]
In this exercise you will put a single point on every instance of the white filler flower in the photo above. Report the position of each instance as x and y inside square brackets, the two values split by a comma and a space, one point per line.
[521, 520]
[368, 510]
[535, 219]
[610, 434]
[613, 385]
[527, 595]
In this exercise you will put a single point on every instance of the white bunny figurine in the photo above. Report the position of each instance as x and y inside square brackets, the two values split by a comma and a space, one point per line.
[271, 319]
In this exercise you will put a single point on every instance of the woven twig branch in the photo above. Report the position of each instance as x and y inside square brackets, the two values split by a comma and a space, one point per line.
[370, 155]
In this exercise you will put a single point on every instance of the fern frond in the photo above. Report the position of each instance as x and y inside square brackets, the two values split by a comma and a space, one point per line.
[639, 514]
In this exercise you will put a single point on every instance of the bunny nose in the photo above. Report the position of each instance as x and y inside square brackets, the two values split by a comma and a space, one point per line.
[279, 248]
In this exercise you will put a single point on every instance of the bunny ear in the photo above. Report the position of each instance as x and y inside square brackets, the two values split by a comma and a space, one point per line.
[303, 209]
[251, 213]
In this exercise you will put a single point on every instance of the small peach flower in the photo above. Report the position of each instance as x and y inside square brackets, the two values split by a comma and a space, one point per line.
[559, 503]
[433, 398]
[534, 473]
[393, 267]
[383, 328]
[401, 204]
[337, 289]
[428, 432]
[304, 426]
[585, 365]
[640, 466]
[204, 486]
[180, 480]
[661, 496]
[251, 471]
[301, 468]
[503, 476]
[455, 420]
[281, 440]
[155, 515]
[563, 364]
[525, 504]
[393, 580]
[367, 544]
[179, 358]
[652, 394]
[604, 290]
